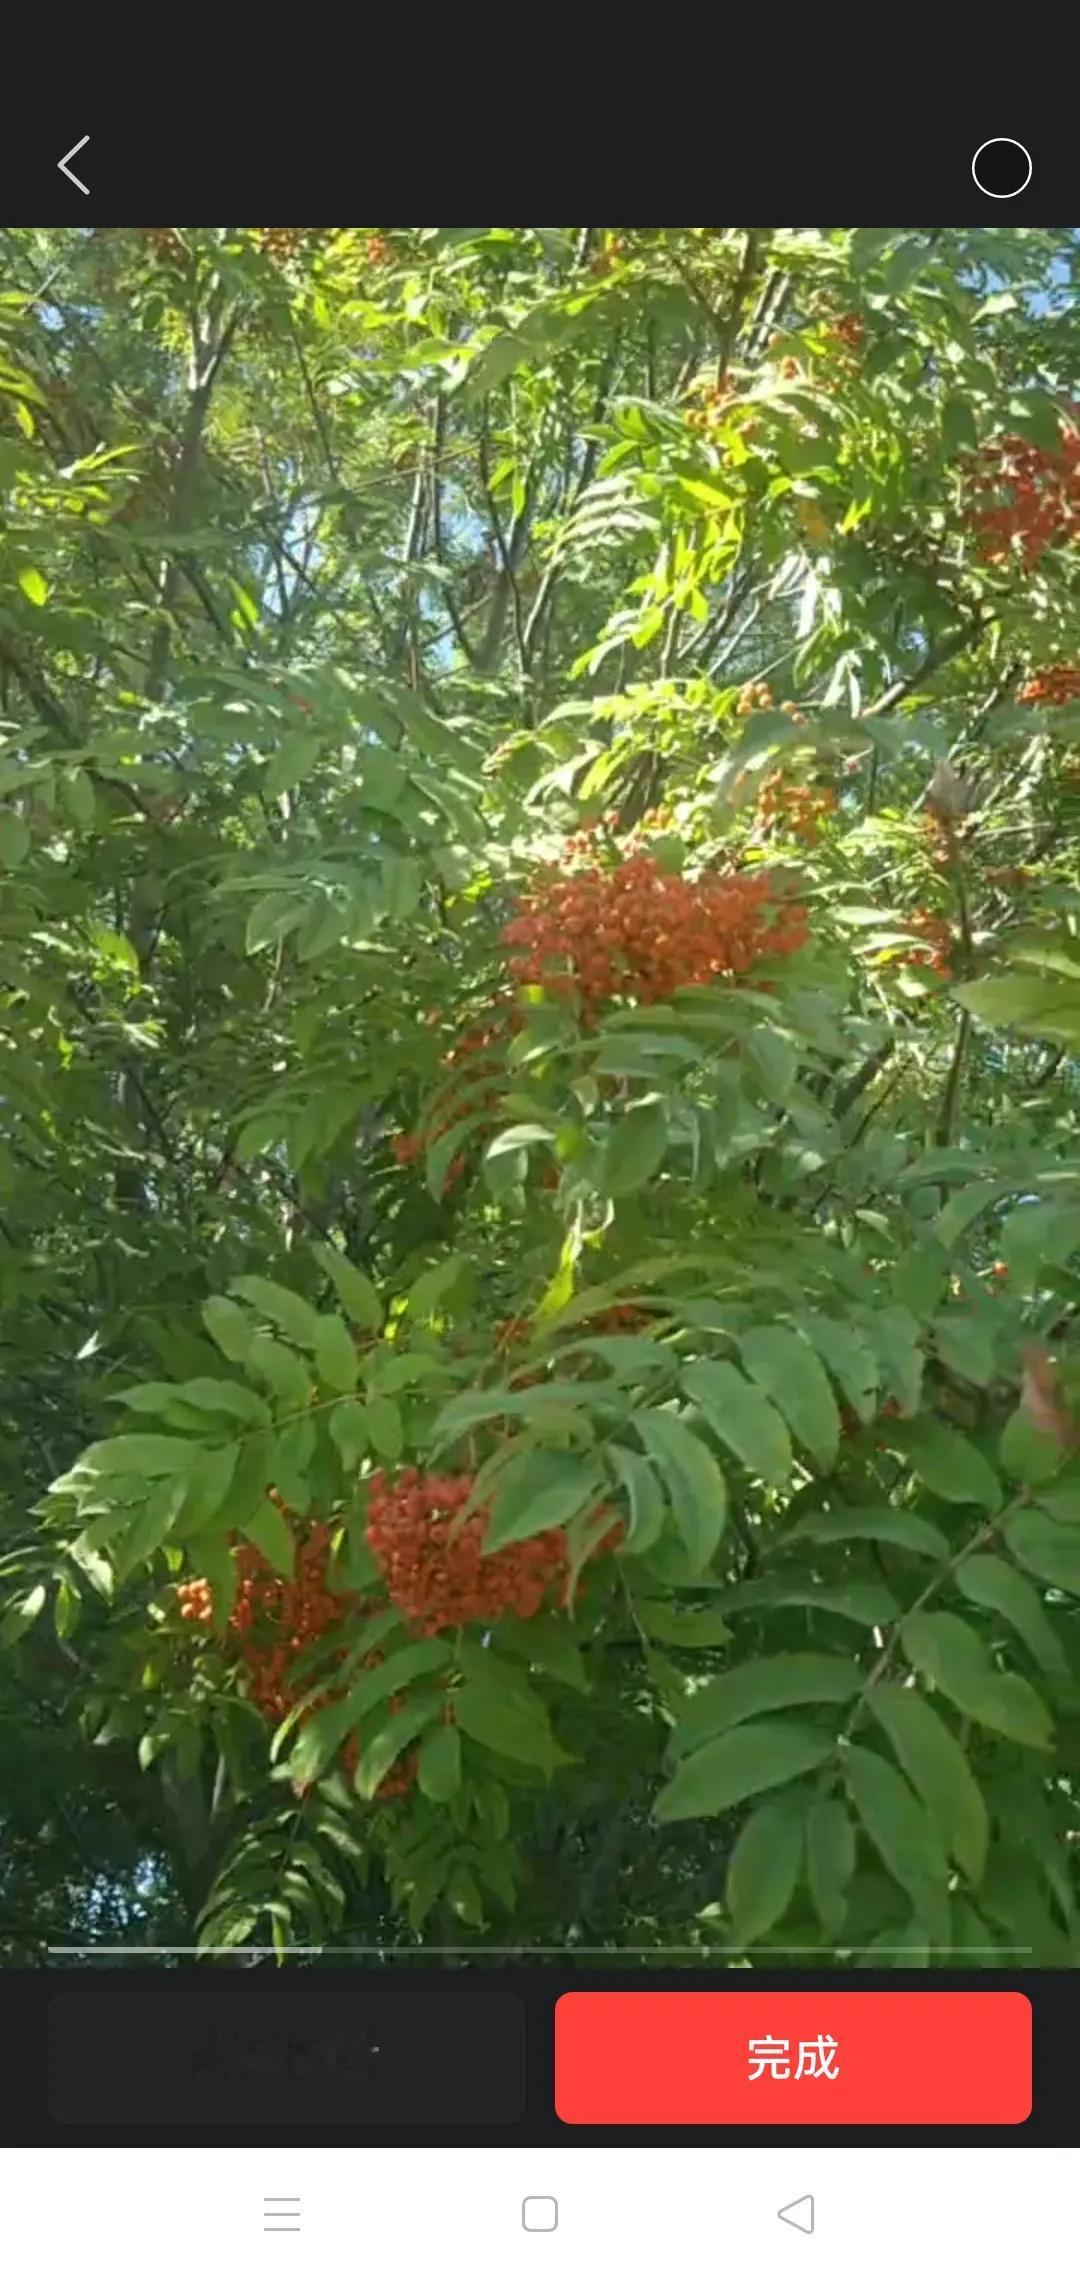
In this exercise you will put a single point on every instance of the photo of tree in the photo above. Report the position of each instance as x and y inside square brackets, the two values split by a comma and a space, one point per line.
[540, 1097]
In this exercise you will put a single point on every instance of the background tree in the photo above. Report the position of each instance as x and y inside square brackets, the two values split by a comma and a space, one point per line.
[540, 998]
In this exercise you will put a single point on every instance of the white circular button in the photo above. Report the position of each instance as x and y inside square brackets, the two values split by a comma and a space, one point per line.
[1004, 161]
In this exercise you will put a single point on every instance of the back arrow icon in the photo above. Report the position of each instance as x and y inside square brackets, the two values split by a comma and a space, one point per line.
[65, 168]
[799, 2213]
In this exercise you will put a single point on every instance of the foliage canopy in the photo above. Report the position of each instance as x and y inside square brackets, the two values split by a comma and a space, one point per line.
[539, 1192]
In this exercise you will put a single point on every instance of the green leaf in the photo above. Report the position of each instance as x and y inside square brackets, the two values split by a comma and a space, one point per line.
[830, 1861]
[519, 1136]
[645, 1497]
[894, 1335]
[764, 1867]
[542, 1489]
[547, 1643]
[151, 1529]
[866, 245]
[146, 1456]
[1039, 1006]
[272, 918]
[939, 1773]
[871, 1605]
[963, 1208]
[439, 1766]
[336, 1359]
[67, 1610]
[958, 429]
[349, 1432]
[280, 1368]
[738, 1413]
[636, 1149]
[789, 1371]
[775, 1063]
[294, 1451]
[1061, 1500]
[967, 1343]
[919, 1278]
[230, 1327]
[291, 1313]
[357, 1292]
[434, 1286]
[904, 266]
[693, 1480]
[740, 1764]
[1026, 1453]
[1036, 1236]
[385, 1429]
[35, 587]
[216, 1397]
[326, 1730]
[847, 1356]
[77, 796]
[900, 1830]
[946, 1463]
[21, 1614]
[772, 1682]
[505, 1721]
[115, 949]
[269, 1531]
[14, 839]
[389, 1743]
[908, 1529]
[209, 1482]
[682, 1627]
[947, 1651]
[1047, 1549]
[993, 1583]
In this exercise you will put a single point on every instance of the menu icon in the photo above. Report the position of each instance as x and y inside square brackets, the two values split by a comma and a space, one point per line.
[281, 2212]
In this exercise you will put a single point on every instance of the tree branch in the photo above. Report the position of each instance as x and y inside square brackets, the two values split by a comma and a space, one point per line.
[208, 350]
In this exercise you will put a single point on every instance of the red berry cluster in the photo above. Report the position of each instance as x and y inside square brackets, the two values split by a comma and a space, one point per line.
[1024, 498]
[847, 331]
[169, 247]
[274, 1619]
[937, 934]
[632, 930]
[789, 367]
[434, 1562]
[799, 809]
[1055, 685]
[280, 245]
[617, 1318]
[712, 404]
[938, 839]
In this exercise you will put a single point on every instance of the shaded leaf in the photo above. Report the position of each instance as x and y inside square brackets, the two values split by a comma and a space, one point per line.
[945, 1649]
[789, 1371]
[739, 1414]
[900, 1830]
[741, 1764]
[693, 1480]
[772, 1682]
[764, 1867]
[939, 1773]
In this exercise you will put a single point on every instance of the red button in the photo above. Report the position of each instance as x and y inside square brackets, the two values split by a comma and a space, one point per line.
[808, 2059]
